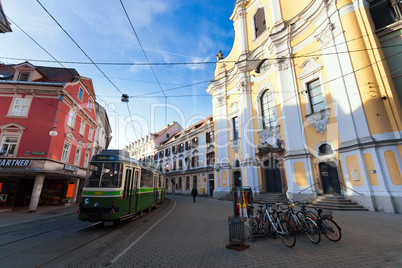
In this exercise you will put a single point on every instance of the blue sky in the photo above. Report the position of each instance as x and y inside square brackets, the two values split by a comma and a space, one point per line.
[170, 31]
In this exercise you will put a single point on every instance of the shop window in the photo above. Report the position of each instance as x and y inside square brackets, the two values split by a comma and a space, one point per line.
[8, 146]
[20, 106]
[259, 22]
[315, 95]
[187, 183]
[268, 110]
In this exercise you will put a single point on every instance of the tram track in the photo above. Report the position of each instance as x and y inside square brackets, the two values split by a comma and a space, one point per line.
[53, 245]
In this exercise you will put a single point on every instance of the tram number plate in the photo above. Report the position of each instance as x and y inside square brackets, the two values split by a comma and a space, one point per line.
[98, 193]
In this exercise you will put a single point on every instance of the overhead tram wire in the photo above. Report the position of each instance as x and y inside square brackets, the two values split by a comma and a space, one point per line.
[146, 57]
[72, 39]
[67, 69]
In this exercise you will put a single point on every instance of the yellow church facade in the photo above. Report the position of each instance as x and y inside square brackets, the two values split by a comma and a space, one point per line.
[304, 104]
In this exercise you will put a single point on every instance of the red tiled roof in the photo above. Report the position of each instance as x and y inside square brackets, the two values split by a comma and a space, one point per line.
[50, 74]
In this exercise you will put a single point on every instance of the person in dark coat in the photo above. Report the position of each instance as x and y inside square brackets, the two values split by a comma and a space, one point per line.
[194, 193]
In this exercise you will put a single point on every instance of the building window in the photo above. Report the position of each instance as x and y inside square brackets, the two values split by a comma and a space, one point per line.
[23, 77]
[315, 95]
[91, 135]
[211, 158]
[194, 142]
[86, 160]
[180, 164]
[89, 104]
[71, 119]
[8, 146]
[77, 157]
[235, 125]
[385, 12]
[187, 183]
[194, 161]
[262, 67]
[259, 22]
[325, 149]
[188, 145]
[20, 107]
[167, 152]
[80, 93]
[82, 127]
[268, 110]
[66, 152]
[210, 137]
[181, 148]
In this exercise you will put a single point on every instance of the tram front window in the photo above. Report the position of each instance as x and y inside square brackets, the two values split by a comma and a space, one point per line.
[105, 175]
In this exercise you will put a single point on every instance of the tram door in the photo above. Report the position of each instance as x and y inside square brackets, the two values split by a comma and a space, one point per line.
[134, 197]
[127, 188]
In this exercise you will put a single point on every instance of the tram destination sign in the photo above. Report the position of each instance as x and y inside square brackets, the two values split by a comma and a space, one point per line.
[14, 163]
[105, 158]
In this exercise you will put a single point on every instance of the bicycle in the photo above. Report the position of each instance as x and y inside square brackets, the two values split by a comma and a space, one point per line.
[255, 221]
[327, 225]
[274, 226]
[302, 222]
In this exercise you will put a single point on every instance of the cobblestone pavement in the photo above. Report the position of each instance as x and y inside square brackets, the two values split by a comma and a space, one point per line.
[195, 234]
[185, 234]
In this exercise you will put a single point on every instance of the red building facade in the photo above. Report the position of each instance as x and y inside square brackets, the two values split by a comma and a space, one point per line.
[47, 129]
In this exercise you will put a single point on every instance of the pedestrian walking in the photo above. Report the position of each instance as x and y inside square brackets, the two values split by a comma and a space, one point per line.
[194, 193]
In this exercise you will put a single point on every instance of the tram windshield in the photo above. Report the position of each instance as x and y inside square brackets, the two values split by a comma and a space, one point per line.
[108, 175]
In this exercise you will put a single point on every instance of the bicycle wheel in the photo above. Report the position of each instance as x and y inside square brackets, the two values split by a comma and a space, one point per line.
[330, 229]
[265, 225]
[286, 234]
[312, 231]
[293, 221]
[254, 225]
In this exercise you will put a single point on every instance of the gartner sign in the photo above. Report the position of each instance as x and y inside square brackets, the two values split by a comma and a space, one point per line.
[14, 163]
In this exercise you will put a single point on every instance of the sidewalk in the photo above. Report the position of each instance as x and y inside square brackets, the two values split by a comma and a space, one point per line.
[21, 214]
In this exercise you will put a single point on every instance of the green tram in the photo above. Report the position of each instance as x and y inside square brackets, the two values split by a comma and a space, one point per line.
[119, 188]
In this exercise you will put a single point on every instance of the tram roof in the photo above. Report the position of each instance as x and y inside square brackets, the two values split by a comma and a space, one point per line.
[119, 156]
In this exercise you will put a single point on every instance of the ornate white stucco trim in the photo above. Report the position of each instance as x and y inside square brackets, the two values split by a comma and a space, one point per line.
[319, 120]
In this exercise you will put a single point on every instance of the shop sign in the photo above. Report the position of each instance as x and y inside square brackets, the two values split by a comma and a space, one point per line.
[70, 190]
[70, 168]
[38, 153]
[14, 163]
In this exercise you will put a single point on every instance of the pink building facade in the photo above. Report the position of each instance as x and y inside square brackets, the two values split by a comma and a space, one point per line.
[47, 129]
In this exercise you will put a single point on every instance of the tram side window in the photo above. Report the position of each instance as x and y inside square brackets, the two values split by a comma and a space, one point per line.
[128, 183]
[105, 175]
[146, 178]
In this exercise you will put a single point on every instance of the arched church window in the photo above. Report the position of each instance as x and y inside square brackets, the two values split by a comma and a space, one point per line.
[268, 112]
